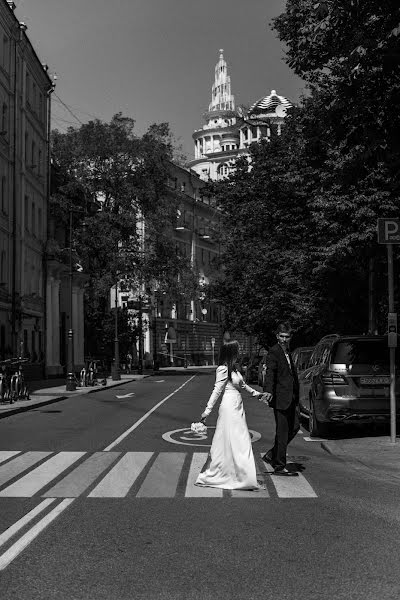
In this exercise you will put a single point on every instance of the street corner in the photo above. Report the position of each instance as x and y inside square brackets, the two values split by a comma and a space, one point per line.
[187, 437]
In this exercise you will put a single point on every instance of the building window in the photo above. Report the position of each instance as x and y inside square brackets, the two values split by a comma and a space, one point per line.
[4, 199]
[25, 348]
[33, 225]
[3, 274]
[27, 87]
[26, 209]
[33, 153]
[40, 226]
[4, 119]
[223, 170]
[6, 54]
[40, 106]
[2, 341]
[34, 96]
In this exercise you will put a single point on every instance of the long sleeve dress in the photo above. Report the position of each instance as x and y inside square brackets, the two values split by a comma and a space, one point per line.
[232, 465]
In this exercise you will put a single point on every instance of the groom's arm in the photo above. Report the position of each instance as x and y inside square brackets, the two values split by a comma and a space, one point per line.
[270, 375]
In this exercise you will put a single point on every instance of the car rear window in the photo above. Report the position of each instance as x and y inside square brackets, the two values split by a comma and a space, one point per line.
[361, 352]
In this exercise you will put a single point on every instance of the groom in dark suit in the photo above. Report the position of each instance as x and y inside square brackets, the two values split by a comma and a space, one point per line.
[281, 387]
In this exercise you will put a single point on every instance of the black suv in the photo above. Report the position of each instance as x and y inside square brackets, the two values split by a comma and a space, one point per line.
[347, 381]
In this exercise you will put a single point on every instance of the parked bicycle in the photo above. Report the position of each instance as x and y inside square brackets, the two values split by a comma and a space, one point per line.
[5, 380]
[18, 386]
[83, 377]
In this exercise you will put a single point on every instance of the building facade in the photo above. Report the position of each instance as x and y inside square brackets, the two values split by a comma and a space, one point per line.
[34, 285]
[177, 331]
[229, 130]
[24, 96]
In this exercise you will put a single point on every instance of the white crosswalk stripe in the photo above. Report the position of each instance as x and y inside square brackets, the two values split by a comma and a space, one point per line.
[125, 474]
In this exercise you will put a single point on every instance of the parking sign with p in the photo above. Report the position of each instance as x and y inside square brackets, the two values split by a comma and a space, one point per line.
[388, 231]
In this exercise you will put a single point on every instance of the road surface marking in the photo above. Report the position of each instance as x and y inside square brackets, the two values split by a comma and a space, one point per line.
[41, 476]
[76, 482]
[126, 395]
[128, 431]
[11, 531]
[30, 535]
[6, 454]
[293, 487]
[162, 479]
[20, 464]
[197, 439]
[117, 483]
[122, 471]
[196, 491]
[314, 439]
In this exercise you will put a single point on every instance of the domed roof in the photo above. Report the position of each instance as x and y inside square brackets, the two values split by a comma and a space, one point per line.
[270, 103]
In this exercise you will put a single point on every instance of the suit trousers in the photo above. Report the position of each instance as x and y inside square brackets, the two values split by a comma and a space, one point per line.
[287, 424]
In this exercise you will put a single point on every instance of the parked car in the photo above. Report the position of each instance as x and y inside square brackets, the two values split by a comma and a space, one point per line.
[347, 381]
[301, 356]
[252, 369]
[262, 369]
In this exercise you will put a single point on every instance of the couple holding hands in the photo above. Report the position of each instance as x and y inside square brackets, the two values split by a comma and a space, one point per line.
[231, 463]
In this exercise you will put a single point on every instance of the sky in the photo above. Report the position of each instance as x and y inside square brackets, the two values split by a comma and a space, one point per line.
[154, 60]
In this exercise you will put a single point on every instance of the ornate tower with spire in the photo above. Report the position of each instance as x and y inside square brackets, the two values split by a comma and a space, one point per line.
[221, 96]
[228, 133]
[217, 142]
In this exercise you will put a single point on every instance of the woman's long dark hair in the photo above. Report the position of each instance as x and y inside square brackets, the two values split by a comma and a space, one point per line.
[229, 355]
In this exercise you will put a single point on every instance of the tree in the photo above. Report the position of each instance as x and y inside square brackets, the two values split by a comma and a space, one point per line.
[266, 238]
[348, 52]
[128, 238]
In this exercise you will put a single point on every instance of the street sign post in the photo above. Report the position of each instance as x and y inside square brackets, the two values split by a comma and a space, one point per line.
[389, 234]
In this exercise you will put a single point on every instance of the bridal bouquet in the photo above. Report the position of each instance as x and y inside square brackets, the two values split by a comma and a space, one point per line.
[198, 428]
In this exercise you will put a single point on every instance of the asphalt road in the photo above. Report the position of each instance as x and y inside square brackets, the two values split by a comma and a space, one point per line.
[97, 503]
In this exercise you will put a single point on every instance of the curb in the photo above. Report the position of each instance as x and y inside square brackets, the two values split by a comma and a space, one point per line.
[20, 409]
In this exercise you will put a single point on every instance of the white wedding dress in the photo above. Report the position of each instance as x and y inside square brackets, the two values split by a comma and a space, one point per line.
[232, 465]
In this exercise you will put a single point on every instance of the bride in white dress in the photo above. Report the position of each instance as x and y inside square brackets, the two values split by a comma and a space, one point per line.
[231, 463]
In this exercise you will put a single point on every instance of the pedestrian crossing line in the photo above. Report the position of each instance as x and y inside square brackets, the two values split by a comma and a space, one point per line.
[293, 487]
[196, 491]
[20, 464]
[163, 476]
[6, 454]
[31, 534]
[16, 527]
[289, 487]
[37, 479]
[118, 481]
[85, 474]
[135, 474]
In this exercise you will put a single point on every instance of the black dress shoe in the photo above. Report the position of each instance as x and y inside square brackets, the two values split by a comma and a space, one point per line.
[268, 459]
[284, 472]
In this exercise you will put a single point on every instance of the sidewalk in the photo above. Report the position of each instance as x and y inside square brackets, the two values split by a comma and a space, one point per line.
[375, 453]
[49, 391]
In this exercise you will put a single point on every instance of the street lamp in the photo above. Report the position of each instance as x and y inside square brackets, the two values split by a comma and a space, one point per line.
[115, 374]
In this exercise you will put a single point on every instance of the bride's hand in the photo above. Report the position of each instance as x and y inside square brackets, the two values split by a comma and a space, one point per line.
[203, 417]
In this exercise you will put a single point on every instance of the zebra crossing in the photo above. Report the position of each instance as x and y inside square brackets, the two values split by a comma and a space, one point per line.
[112, 474]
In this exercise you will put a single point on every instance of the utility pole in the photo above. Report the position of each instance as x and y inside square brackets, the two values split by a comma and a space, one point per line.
[140, 327]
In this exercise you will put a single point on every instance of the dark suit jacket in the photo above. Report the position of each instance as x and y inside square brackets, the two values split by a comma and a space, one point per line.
[280, 380]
